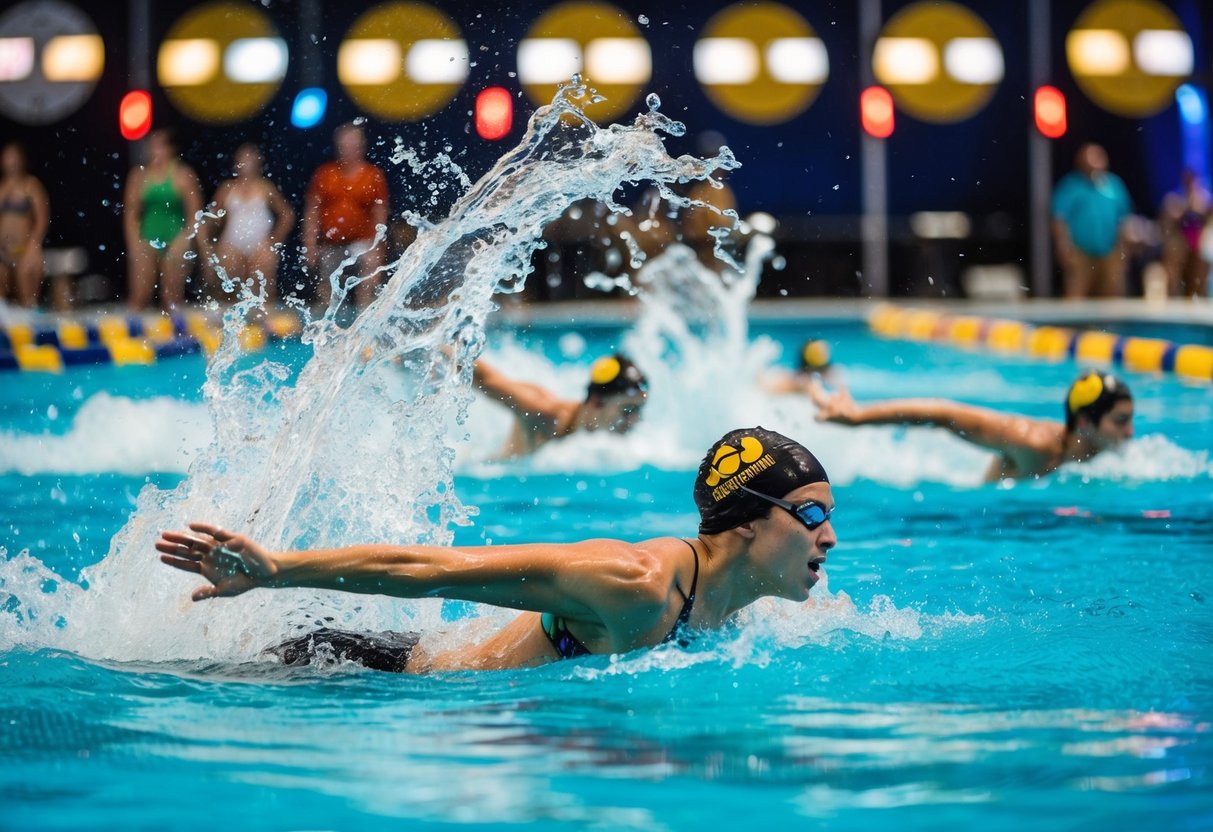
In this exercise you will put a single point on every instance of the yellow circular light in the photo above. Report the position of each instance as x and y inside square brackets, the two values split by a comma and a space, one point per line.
[939, 60]
[222, 62]
[760, 63]
[597, 40]
[51, 58]
[1129, 56]
[403, 61]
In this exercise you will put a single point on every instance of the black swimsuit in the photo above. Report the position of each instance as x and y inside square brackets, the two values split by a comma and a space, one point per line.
[568, 646]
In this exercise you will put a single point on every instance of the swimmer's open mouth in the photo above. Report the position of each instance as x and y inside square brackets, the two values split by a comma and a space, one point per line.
[815, 565]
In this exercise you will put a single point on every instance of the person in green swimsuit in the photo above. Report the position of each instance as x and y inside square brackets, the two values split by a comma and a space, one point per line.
[161, 200]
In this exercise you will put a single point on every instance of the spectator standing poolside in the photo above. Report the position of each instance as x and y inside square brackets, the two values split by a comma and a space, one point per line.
[1089, 206]
[161, 201]
[256, 219]
[24, 217]
[346, 200]
[1184, 223]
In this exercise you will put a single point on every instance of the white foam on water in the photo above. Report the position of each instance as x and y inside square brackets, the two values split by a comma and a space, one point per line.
[113, 434]
[359, 448]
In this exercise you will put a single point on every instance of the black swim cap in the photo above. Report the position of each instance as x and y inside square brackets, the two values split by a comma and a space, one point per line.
[814, 356]
[757, 458]
[1092, 395]
[614, 375]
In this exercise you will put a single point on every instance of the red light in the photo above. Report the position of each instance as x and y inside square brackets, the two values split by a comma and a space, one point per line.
[1050, 112]
[494, 113]
[135, 115]
[876, 112]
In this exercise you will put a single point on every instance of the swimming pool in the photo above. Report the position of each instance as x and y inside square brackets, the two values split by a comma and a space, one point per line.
[1000, 655]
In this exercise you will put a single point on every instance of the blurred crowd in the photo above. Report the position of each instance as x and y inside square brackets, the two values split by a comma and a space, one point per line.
[181, 246]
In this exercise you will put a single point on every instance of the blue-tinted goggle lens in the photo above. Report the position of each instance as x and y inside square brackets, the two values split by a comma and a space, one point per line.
[812, 514]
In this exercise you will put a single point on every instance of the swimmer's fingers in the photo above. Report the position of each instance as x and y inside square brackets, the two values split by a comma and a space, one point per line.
[202, 593]
[218, 532]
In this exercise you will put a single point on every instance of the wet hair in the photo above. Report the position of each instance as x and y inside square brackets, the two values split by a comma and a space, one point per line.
[1093, 394]
[615, 375]
[757, 458]
[814, 356]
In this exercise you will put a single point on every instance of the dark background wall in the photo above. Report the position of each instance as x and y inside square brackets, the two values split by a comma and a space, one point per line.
[805, 171]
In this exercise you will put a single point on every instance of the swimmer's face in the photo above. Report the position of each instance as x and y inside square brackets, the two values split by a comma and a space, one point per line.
[618, 414]
[1116, 426]
[788, 551]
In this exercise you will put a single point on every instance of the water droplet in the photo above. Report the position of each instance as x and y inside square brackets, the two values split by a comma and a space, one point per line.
[643, 20]
[653, 100]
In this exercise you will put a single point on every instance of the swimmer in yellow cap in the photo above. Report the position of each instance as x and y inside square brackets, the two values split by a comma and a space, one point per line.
[815, 364]
[1099, 416]
[765, 530]
[614, 398]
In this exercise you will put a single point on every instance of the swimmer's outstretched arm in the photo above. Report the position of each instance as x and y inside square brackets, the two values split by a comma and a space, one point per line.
[988, 428]
[573, 580]
[522, 397]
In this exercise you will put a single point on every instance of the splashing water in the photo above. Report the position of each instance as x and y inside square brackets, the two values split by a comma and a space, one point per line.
[343, 455]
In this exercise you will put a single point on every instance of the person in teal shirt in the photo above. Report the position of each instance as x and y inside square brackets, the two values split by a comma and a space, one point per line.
[1089, 205]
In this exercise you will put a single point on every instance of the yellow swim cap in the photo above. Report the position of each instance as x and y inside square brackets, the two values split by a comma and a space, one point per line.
[815, 355]
[605, 370]
[1085, 391]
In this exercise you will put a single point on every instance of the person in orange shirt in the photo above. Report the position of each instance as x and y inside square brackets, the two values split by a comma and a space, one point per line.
[346, 200]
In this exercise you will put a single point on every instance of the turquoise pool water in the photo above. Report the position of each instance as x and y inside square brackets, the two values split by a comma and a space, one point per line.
[979, 655]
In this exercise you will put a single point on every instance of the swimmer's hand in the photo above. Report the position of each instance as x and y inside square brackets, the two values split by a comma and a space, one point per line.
[833, 407]
[231, 562]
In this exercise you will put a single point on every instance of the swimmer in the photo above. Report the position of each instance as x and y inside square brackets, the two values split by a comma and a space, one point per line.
[1099, 416]
[613, 401]
[24, 218]
[815, 363]
[256, 221]
[764, 505]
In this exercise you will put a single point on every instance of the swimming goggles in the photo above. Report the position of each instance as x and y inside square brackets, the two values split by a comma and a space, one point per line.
[810, 512]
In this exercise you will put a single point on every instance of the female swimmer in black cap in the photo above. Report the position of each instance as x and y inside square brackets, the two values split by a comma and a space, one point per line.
[764, 504]
[614, 398]
[1099, 416]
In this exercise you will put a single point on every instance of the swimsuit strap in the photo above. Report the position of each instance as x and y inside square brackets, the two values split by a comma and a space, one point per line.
[684, 615]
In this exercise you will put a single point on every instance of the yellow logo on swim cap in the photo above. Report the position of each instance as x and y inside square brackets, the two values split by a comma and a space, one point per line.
[816, 354]
[605, 370]
[1085, 391]
[728, 459]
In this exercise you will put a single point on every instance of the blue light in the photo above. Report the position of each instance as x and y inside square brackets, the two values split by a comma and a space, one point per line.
[1191, 102]
[309, 107]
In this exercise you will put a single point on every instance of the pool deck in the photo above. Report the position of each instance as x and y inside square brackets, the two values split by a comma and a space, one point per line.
[1088, 312]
